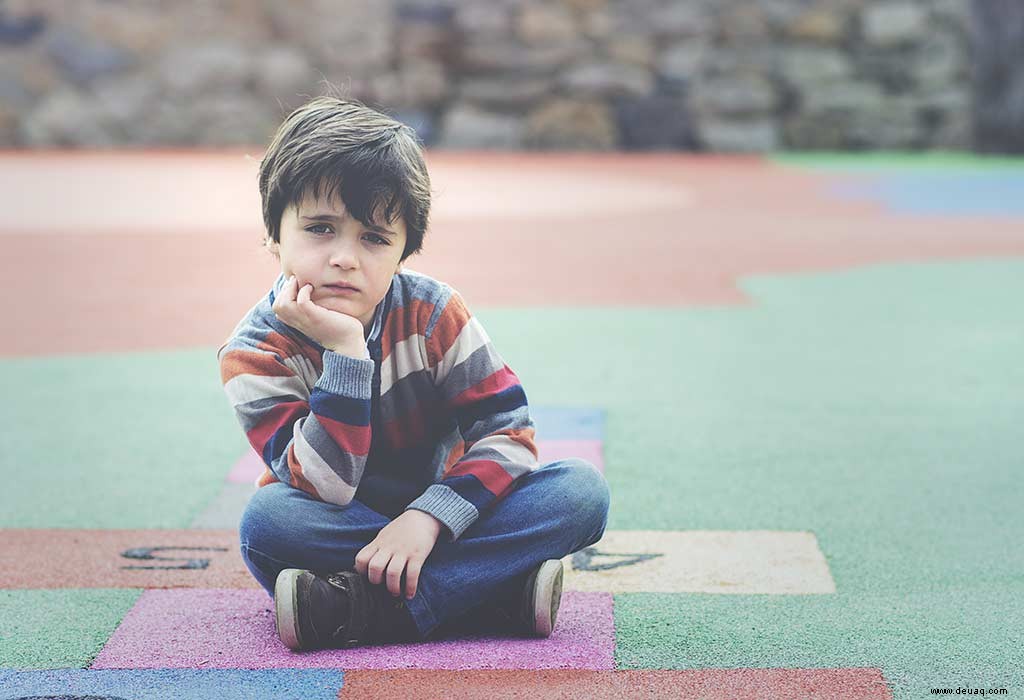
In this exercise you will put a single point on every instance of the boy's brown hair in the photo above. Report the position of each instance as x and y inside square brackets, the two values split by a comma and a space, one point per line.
[332, 146]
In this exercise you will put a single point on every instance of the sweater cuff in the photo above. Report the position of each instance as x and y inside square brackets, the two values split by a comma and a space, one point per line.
[346, 376]
[454, 511]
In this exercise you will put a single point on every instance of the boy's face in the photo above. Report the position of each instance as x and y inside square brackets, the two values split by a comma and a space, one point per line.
[321, 244]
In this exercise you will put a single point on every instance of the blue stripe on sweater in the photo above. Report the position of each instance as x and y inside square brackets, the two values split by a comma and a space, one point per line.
[342, 409]
[275, 448]
[470, 488]
[507, 401]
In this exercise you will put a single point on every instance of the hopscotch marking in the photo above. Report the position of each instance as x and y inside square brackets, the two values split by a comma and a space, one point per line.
[701, 561]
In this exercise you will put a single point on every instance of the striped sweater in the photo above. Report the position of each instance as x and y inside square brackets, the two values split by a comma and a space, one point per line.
[431, 411]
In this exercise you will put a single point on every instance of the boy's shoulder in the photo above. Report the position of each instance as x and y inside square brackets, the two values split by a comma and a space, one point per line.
[424, 299]
[412, 285]
[259, 327]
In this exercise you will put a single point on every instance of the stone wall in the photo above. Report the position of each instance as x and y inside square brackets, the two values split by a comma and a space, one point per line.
[721, 75]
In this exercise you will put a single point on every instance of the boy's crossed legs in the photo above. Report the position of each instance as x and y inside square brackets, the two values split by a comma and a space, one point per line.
[551, 512]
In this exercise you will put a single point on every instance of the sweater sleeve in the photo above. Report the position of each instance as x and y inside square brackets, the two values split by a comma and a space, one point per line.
[316, 440]
[490, 406]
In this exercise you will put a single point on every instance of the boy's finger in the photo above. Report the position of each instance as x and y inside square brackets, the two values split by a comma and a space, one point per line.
[394, 575]
[412, 578]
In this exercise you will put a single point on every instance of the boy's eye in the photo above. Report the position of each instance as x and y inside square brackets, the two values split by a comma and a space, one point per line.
[377, 240]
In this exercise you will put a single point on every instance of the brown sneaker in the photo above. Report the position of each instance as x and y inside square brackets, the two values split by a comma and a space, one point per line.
[542, 594]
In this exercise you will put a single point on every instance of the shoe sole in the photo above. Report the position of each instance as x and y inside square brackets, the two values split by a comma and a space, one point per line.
[286, 606]
[547, 596]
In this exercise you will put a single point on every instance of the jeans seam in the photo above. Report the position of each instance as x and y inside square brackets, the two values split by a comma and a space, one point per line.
[283, 564]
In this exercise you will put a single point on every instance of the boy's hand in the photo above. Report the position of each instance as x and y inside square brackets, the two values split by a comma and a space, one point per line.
[335, 331]
[402, 544]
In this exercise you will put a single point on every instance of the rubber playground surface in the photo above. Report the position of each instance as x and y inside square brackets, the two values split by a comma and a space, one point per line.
[800, 375]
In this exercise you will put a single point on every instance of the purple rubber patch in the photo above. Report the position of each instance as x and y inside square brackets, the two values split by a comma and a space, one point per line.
[228, 628]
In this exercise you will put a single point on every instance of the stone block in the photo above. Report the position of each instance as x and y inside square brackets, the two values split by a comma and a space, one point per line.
[740, 136]
[566, 124]
[808, 65]
[502, 56]
[85, 58]
[683, 60]
[489, 18]
[822, 23]
[282, 73]
[608, 79]
[205, 68]
[510, 93]
[656, 122]
[468, 127]
[741, 95]
[846, 96]
[895, 22]
[633, 49]
[546, 23]
[421, 82]
[680, 20]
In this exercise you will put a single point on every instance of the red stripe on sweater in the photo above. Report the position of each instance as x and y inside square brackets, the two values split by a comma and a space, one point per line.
[490, 473]
[494, 384]
[285, 413]
[350, 438]
[407, 430]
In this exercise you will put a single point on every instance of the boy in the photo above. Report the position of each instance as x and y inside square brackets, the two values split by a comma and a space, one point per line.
[399, 449]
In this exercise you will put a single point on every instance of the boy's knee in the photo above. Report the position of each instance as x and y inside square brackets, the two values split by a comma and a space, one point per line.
[587, 492]
[261, 518]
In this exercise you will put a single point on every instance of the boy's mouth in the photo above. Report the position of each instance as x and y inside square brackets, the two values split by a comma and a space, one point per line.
[341, 287]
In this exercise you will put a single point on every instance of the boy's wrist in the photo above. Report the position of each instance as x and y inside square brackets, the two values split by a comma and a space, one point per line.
[359, 352]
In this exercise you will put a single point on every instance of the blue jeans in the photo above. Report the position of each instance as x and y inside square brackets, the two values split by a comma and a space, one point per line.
[551, 512]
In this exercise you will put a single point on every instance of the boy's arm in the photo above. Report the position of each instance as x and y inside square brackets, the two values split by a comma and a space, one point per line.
[316, 441]
[489, 403]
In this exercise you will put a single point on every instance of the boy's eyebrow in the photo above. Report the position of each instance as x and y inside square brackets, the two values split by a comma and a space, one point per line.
[326, 216]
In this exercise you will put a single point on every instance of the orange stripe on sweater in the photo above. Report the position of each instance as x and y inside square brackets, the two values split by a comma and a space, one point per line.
[446, 331]
[238, 362]
[454, 456]
[403, 322]
[299, 480]
[525, 437]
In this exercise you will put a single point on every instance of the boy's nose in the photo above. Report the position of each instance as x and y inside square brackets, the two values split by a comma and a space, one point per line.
[344, 255]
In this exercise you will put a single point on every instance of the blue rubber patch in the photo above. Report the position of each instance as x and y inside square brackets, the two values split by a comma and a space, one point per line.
[941, 193]
[569, 423]
[170, 684]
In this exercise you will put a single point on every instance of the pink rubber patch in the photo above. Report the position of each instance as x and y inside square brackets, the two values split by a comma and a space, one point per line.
[554, 450]
[224, 628]
[247, 469]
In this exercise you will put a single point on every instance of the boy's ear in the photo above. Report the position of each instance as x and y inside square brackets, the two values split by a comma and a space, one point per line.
[271, 245]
